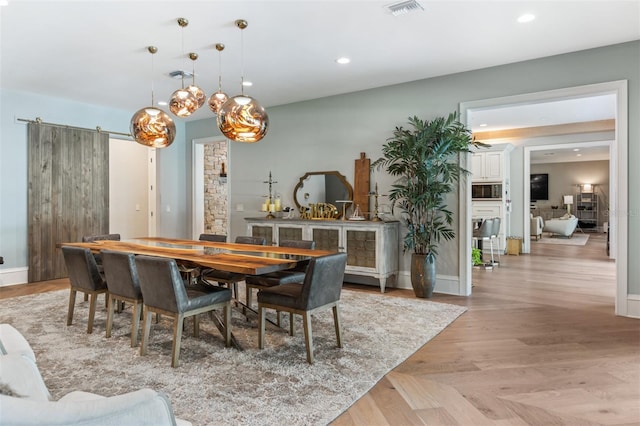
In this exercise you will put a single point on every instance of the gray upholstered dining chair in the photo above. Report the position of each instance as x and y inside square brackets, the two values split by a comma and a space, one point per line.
[320, 291]
[84, 277]
[216, 238]
[192, 271]
[124, 286]
[98, 256]
[164, 292]
[231, 279]
[295, 275]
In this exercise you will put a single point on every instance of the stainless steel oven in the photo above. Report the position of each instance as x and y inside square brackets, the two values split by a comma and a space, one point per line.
[486, 191]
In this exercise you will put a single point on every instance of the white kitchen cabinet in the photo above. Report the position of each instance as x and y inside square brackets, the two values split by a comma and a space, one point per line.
[371, 247]
[487, 166]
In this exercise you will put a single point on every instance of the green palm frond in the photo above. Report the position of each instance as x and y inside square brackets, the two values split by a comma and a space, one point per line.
[425, 161]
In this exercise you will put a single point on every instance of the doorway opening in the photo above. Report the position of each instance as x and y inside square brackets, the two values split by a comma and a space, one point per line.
[618, 182]
[210, 187]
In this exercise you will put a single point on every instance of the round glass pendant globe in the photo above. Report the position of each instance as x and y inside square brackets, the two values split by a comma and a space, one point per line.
[243, 119]
[183, 103]
[217, 100]
[197, 93]
[152, 127]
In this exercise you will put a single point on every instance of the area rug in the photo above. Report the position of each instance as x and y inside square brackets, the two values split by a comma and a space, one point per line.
[576, 240]
[225, 386]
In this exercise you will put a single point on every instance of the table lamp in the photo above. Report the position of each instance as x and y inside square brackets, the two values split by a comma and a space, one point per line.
[568, 200]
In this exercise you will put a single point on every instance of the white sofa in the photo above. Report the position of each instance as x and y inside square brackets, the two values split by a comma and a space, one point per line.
[25, 399]
[564, 226]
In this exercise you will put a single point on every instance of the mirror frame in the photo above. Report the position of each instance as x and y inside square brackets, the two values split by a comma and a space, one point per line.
[332, 172]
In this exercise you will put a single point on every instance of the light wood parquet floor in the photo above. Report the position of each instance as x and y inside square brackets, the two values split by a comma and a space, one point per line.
[539, 345]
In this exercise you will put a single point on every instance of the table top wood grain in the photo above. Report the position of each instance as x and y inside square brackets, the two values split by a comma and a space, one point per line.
[231, 257]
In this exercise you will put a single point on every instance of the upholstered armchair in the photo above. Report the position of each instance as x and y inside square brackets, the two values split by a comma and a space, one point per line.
[25, 399]
[320, 291]
[84, 277]
[164, 292]
[564, 226]
[537, 225]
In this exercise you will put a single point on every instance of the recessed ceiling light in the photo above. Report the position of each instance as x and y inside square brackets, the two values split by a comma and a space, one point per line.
[576, 149]
[578, 155]
[162, 103]
[343, 60]
[247, 83]
[4, 2]
[527, 17]
[483, 125]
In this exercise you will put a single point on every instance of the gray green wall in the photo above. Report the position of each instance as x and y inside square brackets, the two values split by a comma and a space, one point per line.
[322, 134]
[330, 133]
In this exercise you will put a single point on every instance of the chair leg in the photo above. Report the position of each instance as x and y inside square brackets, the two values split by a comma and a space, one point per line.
[196, 326]
[86, 297]
[261, 326]
[336, 322]
[498, 242]
[177, 337]
[146, 327]
[92, 312]
[247, 298]
[72, 305]
[109, 316]
[308, 336]
[227, 324]
[491, 246]
[135, 322]
[292, 331]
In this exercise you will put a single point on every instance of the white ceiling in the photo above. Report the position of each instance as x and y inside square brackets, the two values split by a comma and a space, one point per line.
[95, 51]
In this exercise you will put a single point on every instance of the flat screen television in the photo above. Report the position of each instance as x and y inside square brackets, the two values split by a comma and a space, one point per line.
[539, 186]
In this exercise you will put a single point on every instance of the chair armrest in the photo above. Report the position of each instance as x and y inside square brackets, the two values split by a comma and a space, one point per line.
[142, 407]
[21, 374]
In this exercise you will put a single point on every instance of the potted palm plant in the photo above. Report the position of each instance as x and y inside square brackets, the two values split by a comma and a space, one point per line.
[425, 160]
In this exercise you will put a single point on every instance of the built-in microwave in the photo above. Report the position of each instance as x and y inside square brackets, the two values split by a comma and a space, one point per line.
[486, 191]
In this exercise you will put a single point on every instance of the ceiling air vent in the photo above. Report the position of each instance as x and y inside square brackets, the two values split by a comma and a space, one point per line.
[404, 7]
[180, 73]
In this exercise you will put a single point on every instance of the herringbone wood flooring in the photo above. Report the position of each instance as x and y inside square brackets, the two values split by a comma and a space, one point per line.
[539, 345]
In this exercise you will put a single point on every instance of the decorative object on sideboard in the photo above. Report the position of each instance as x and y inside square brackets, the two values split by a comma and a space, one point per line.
[182, 103]
[362, 182]
[151, 126]
[424, 159]
[218, 98]
[242, 118]
[271, 203]
[321, 187]
[345, 203]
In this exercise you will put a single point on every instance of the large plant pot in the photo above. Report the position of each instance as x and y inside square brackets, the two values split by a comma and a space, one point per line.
[423, 274]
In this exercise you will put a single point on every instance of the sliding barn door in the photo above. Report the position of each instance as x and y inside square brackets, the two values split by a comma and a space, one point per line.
[68, 193]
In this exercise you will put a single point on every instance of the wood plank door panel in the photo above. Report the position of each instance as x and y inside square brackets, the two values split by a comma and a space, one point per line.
[68, 193]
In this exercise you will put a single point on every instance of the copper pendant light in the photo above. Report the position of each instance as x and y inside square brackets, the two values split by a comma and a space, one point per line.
[150, 126]
[242, 118]
[196, 91]
[218, 98]
[183, 103]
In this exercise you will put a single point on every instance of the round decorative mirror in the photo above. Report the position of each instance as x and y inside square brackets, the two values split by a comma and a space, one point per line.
[322, 187]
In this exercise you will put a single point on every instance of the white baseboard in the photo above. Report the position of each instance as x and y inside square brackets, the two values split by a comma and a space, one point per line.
[446, 284]
[633, 306]
[13, 276]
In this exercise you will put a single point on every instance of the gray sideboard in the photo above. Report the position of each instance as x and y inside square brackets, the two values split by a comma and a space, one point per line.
[371, 247]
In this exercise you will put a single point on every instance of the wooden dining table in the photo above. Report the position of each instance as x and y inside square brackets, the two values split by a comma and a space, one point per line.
[245, 259]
